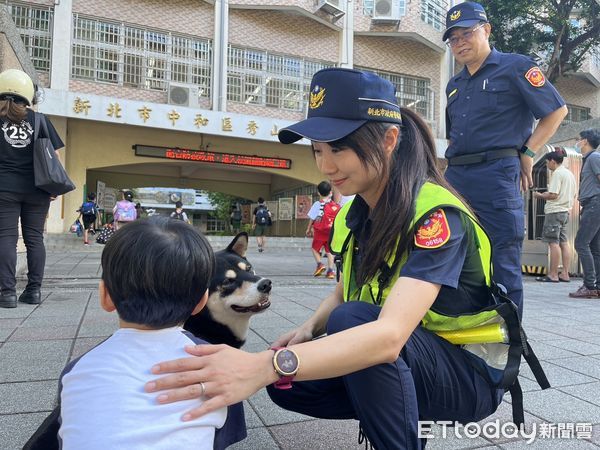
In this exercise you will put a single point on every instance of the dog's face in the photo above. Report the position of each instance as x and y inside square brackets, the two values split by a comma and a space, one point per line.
[235, 289]
[234, 295]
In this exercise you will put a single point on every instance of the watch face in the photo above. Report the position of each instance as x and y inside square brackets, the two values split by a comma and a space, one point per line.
[287, 362]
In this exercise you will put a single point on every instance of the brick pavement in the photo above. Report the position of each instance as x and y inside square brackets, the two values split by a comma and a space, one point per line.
[36, 342]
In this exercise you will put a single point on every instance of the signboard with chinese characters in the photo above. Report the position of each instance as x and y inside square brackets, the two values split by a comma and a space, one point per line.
[212, 157]
[100, 190]
[303, 204]
[286, 208]
[246, 213]
[273, 207]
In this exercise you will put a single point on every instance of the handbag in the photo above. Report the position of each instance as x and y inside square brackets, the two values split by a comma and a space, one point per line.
[105, 235]
[49, 174]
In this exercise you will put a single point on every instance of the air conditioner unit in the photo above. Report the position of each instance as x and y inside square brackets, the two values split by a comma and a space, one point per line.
[386, 10]
[334, 7]
[183, 95]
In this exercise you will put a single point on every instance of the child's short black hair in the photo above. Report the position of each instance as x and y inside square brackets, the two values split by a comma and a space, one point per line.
[178, 204]
[156, 271]
[261, 200]
[324, 188]
[91, 196]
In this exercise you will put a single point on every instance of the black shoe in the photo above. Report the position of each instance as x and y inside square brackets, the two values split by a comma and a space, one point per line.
[33, 297]
[8, 300]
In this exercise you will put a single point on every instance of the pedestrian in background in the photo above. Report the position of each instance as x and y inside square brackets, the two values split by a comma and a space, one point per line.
[235, 219]
[19, 198]
[88, 212]
[261, 219]
[559, 201]
[322, 214]
[179, 213]
[124, 211]
[587, 241]
[490, 112]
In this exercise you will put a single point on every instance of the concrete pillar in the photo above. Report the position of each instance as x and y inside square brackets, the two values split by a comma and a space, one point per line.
[220, 43]
[61, 44]
[346, 57]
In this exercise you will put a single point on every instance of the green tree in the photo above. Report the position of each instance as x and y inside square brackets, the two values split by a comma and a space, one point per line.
[560, 32]
[223, 203]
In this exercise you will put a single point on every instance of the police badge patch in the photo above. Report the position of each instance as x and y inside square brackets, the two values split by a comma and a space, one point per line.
[535, 77]
[434, 232]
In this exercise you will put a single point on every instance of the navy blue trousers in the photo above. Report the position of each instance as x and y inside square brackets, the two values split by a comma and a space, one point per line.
[493, 190]
[431, 380]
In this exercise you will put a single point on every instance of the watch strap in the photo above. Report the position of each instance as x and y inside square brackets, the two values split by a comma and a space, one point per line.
[527, 151]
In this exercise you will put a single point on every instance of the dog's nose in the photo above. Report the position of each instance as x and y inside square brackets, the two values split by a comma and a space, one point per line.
[264, 286]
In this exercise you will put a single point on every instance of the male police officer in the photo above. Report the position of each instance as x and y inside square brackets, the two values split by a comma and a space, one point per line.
[491, 106]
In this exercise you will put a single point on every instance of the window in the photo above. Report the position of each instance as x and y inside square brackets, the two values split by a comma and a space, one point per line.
[433, 12]
[411, 92]
[577, 114]
[214, 225]
[276, 81]
[137, 57]
[35, 26]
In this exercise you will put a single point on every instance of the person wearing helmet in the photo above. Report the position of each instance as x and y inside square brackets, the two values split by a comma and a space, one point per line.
[19, 198]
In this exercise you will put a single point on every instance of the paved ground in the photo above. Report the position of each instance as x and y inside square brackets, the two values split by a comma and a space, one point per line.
[36, 342]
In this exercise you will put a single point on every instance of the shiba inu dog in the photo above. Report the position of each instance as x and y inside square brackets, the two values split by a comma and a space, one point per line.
[235, 294]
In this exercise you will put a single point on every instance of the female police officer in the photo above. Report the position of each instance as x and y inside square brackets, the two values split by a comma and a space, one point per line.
[413, 256]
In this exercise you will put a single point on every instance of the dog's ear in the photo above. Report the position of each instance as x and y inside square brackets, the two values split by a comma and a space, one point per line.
[239, 244]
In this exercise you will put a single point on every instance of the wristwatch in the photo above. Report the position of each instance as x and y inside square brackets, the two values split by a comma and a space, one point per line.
[527, 151]
[286, 364]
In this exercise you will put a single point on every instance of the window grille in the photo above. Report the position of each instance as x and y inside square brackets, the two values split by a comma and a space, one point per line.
[411, 92]
[276, 81]
[433, 12]
[35, 26]
[137, 57]
[214, 224]
[577, 114]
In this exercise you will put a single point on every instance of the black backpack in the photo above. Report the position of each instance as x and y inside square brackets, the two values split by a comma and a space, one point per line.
[262, 215]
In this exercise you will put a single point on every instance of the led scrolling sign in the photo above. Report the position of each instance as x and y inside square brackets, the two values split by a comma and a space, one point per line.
[212, 157]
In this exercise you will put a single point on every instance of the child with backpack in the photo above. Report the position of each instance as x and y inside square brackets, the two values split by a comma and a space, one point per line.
[322, 214]
[261, 219]
[179, 213]
[124, 211]
[88, 212]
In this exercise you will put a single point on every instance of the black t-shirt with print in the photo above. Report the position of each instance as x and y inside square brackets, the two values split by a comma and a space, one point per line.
[16, 154]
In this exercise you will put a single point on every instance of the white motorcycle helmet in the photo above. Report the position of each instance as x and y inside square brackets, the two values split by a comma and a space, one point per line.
[17, 84]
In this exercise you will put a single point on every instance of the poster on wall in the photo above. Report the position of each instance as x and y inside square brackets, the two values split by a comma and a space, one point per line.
[100, 189]
[246, 213]
[273, 207]
[303, 204]
[110, 198]
[286, 208]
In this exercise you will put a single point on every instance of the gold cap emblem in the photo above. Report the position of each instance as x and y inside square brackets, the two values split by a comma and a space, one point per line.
[455, 15]
[317, 96]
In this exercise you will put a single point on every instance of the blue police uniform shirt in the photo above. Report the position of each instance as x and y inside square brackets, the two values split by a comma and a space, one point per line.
[455, 265]
[495, 107]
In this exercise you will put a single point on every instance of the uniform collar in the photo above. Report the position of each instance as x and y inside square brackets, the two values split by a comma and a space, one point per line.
[492, 58]
[357, 216]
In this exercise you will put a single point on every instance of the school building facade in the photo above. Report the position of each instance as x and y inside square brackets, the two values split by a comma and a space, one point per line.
[190, 93]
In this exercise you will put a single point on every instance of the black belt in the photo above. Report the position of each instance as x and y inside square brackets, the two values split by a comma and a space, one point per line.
[476, 158]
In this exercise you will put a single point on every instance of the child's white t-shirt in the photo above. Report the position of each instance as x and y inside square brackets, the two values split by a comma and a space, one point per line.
[104, 405]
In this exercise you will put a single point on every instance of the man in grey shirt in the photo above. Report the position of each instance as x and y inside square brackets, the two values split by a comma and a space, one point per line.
[587, 241]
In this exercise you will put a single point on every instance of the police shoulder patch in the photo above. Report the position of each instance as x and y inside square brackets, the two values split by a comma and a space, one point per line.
[535, 77]
[434, 232]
